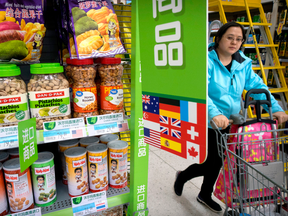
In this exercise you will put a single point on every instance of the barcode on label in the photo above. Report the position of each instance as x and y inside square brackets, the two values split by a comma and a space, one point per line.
[78, 213]
[50, 138]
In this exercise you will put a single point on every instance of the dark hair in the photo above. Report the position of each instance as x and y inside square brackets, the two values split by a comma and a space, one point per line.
[78, 168]
[223, 30]
[8, 183]
[92, 164]
[40, 176]
[114, 160]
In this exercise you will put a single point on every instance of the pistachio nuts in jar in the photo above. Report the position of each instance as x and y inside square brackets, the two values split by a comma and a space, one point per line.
[13, 96]
[111, 88]
[48, 93]
[84, 88]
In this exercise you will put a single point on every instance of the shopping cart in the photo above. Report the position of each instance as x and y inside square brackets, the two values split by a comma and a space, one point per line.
[253, 185]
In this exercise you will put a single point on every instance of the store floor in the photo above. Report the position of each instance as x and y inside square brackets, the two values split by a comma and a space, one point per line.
[162, 200]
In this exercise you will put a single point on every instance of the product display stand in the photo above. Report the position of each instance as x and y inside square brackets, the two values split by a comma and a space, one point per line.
[243, 5]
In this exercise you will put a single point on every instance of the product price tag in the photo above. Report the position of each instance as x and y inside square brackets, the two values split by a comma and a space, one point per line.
[88, 204]
[9, 137]
[64, 129]
[31, 212]
[112, 127]
[102, 119]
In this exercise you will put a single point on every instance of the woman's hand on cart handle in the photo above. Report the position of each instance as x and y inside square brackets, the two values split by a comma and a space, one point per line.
[281, 117]
[220, 121]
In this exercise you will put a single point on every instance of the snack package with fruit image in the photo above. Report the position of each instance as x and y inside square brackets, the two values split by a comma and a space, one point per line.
[21, 30]
[94, 29]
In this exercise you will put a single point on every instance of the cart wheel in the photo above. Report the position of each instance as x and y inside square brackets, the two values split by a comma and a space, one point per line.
[231, 213]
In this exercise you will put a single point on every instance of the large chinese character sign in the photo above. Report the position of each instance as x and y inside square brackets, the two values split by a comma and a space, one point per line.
[173, 52]
[27, 137]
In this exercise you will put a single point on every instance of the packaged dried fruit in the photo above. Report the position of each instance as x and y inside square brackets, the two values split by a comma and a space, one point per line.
[76, 164]
[21, 26]
[18, 185]
[84, 88]
[97, 166]
[48, 93]
[13, 96]
[3, 200]
[111, 88]
[117, 157]
[94, 29]
[44, 181]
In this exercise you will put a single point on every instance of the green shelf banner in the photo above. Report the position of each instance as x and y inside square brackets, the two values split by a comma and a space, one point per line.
[27, 137]
[173, 41]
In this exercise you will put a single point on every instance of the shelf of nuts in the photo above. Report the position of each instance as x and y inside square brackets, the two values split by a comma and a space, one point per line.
[48, 93]
[84, 88]
[13, 96]
[110, 71]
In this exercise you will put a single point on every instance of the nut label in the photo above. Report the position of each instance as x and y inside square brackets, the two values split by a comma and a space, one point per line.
[19, 192]
[98, 171]
[85, 99]
[44, 184]
[13, 109]
[111, 97]
[11, 177]
[118, 168]
[77, 175]
[45, 104]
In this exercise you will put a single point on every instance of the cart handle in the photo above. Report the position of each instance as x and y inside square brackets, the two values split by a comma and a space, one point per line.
[257, 91]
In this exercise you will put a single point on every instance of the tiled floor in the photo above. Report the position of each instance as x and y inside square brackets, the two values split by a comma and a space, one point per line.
[161, 198]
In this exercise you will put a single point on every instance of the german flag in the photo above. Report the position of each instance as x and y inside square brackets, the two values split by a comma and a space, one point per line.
[169, 108]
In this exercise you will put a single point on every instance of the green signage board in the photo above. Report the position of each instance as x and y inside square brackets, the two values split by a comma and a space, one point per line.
[27, 137]
[173, 49]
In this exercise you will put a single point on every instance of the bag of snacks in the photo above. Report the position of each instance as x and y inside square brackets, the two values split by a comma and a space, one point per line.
[21, 26]
[94, 29]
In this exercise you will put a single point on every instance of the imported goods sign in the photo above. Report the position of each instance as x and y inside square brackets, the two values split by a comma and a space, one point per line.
[173, 73]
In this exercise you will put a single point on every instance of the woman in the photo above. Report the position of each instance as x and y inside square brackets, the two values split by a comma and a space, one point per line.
[229, 73]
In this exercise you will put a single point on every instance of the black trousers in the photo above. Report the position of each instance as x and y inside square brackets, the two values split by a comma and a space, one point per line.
[209, 169]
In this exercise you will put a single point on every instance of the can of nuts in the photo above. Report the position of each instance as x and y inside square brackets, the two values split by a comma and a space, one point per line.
[4, 156]
[243, 18]
[3, 200]
[13, 96]
[106, 138]
[48, 93]
[84, 89]
[76, 171]
[43, 177]
[13, 153]
[118, 163]
[85, 142]
[97, 165]
[63, 145]
[269, 17]
[19, 187]
[111, 88]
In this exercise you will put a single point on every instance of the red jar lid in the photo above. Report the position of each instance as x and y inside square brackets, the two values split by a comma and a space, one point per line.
[79, 62]
[110, 60]
[97, 60]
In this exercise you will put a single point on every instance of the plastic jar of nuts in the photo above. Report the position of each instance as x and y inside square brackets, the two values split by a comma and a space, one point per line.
[111, 88]
[48, 93]
[69, 78]
[13, 96]
[84, 88]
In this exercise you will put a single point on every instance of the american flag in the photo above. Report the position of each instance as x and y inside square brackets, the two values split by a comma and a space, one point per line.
[146, 99]
[152, 137]
[123, 127]
[77, 133]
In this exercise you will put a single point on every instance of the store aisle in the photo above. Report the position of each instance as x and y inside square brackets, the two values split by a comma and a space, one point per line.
[161, 198]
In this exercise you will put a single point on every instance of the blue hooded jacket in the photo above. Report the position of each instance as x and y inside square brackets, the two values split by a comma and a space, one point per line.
[225, 88]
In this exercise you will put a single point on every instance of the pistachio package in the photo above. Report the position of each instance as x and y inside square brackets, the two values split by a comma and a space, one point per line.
[21, 26]
[94, 29]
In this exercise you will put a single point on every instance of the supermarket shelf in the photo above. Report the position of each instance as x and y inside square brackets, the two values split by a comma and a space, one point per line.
[63, 204]
[283, 60]
[251, 46]
[268, 68]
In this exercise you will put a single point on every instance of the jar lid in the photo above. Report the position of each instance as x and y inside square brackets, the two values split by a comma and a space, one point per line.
[46, 68]
[110, 61]
[97, 60]
[44, 157]
[79, 62]
[89, 140]
[9, 70]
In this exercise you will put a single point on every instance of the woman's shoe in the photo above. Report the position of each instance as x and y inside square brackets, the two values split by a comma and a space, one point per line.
[212, 205]
[178, 188]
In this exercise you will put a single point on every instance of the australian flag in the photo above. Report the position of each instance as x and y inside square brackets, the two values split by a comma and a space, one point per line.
[152, 106]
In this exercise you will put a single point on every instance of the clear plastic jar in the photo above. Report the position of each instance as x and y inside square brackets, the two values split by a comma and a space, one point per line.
[13, 96]
[84, 88]
[48, 93]
[111, 87]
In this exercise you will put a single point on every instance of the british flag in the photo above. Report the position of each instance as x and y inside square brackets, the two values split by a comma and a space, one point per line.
[176, 122]
[176, 133]
[170, 126]
[164, 119]
[164, 130]
[146, 99]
